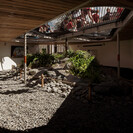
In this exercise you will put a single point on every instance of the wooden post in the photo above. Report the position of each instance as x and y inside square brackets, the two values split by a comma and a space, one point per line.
[118, 55]
[89, 93]
[20, 73]
[25, 58]
[132, 90]
[66, 46]
[42, 79]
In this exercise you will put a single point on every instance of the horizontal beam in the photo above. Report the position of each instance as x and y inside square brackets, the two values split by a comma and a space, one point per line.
[125, 22]
[92, 30]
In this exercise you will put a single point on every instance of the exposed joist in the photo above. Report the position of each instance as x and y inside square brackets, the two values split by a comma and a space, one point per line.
[125, 22]
[92, 30]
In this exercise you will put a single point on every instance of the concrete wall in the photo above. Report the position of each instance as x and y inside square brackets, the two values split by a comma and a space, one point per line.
[107, 54]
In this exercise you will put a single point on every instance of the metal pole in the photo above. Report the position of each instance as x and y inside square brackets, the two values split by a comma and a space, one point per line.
[118, 55]
[25, 58]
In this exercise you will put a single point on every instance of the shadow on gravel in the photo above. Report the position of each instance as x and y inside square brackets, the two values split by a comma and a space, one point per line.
[16, 92]
[108, 114]
[76, 117]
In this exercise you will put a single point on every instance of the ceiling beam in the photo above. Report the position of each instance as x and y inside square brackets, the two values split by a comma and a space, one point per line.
[125, 22]
[96, 28]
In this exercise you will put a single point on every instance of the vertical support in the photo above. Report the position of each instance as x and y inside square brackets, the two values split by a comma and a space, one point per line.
[20, 73]
[51, 48]
[89, 93]
[118, 55]
[55, 47]
[25, 58]
[48, 49]
[132, 90]
[66, 46]
[42, 79]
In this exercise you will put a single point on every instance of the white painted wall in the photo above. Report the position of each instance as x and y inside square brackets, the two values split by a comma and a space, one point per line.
[5, 57]
[107, 54]
[6, 61]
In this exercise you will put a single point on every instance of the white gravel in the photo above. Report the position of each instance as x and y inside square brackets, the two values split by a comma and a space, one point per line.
[24, 108]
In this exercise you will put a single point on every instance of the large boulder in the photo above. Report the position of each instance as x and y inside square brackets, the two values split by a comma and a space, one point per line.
[68, 65]
[51, 73]
[64, 60]
[33, 71]
[40, 72]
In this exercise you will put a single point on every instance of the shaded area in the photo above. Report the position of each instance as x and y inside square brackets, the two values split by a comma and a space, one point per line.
[105, 113]
[108, 114]
[126, 73]
[15, 92]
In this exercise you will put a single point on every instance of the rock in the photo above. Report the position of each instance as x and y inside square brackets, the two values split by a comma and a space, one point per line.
[59, 77]
[49, 89]
[0, 87]
[57, 84]
[74, 83]
[5, 86]
[68, 65]
[55, 66]
[33, 71]
[59, 91]
[22, 80]
[51, 74]
[64, 60]
[64, 89]
[52, 84]
[68, 92]
[55, 89]
[39, 73]
[69, 87]
[54, 81]
[39, 85]
[61, 84]
[33, 82]
[64, 78]
[67, 71]
[63, 95]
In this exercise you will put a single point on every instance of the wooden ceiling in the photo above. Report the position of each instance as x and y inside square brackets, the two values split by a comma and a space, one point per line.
[20, 16]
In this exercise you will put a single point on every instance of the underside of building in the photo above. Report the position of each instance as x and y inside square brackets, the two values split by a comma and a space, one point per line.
[51, 99]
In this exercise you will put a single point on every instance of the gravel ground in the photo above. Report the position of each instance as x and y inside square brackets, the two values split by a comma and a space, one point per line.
[24, 108]
[33, 110]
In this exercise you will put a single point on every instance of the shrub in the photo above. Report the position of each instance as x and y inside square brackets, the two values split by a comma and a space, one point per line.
[58, 56]
[70, 53]
[39, 60]
[85, 65]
